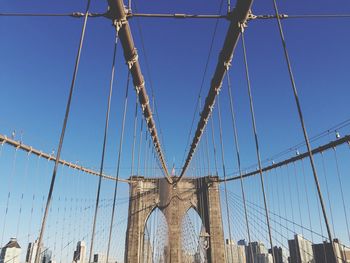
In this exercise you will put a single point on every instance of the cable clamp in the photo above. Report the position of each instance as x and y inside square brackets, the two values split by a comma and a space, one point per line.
[227, 64]
[251, 16]
[143, 106]
[148, 119]
[133, 59]
[218, 88]
[78, 14]
[243, 24]
[138, 88]
[119, 23]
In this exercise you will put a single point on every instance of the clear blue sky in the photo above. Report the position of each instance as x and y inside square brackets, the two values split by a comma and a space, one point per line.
[37, 59]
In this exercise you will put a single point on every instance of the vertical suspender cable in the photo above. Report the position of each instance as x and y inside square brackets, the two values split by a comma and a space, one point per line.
[290, 196]
[139, 153]
[298, 198]
[13, 171]
[214, 144]
[134, 138]
[118, 165]
[327, 191]
[301, 118]
[224, 172]
[235, 134]
[207, 151]
[341, 192]
[58, 156]
[307, 200]
[103, 148]
[257, 146]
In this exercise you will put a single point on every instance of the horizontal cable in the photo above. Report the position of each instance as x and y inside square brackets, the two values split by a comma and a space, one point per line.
[285, 16]
[332, 144]
[74, 14]
[181, 16]
[51, 157]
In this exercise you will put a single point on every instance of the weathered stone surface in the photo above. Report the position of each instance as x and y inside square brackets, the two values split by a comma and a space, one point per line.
[174, 201]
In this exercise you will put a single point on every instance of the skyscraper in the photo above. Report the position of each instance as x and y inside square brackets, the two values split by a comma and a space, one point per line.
[101, 258]
[257, 248]
[46, 256]
[31, 251]
[300, 250]
[79, 253]
[324, 252]
[278, 253]
[234, 253]
[11, 252]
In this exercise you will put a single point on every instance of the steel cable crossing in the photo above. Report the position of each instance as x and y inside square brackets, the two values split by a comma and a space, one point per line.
[238, 16]
[65, 121]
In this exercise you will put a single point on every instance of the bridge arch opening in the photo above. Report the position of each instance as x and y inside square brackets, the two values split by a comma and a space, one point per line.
[155, 238]
[194, 242]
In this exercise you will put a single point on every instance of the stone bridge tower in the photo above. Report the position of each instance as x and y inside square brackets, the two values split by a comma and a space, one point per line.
[202, 194]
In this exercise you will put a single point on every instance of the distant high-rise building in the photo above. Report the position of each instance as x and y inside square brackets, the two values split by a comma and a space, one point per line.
[257, 248]
[300, 250]
[234, 253]
[242, 242]
[101, 258]
[79, 253]
[277, 253]
[31, 252]
[46, 256]
[263, 258]
[11, 252]
[324, 252]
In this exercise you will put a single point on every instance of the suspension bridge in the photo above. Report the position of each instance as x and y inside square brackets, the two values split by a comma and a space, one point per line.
[130, 203]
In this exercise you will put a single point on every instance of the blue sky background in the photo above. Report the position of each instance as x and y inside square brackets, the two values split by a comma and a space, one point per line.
[37, 59]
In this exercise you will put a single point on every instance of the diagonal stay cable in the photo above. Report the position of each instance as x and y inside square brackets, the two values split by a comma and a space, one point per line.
[118, 165]
[301, 119]
[252, 113]
[238, 155]
[103, 147]
[64, 126]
